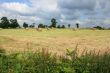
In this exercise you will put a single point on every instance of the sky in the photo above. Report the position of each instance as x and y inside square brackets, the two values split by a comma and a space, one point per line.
[88, 13]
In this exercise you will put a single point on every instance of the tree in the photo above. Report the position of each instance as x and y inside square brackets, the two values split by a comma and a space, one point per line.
[46, 26]
[58, 26]
[32, 26]
[0, 25]
[41, 26]
[4, 22]
[14, 23]
[63, 26]
[25, 25]
[69, 25]
[77, 25]
[99, 27]
[54, 22]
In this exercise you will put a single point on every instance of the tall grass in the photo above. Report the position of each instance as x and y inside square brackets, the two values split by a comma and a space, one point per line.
[45, 62]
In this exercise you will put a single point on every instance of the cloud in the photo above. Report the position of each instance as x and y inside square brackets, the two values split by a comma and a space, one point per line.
[44, 4]
[16, 7]
[46, 9]
[86, 12]
[76, 7]
[77, 4]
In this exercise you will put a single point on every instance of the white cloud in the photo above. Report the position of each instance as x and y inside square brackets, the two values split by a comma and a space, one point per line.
[16, 7]
[50, 5]
[65, 11]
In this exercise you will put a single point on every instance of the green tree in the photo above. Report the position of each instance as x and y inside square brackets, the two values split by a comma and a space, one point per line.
[32, 25]
[4, 22]
[54, 22]
[69, 25]
[0, 24]
[63, 26]
[14, 23]
[25, 25]
[77, 25]
[58, 26]
[99, 27]
[41, 26]
[46, 26]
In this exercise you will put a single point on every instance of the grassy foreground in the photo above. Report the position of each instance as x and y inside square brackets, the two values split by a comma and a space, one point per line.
[45, 62]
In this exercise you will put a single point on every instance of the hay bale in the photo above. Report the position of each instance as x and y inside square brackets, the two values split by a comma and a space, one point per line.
[48, 28]
[93, 29]
[74, 29]
[39, 29]
[26, 29]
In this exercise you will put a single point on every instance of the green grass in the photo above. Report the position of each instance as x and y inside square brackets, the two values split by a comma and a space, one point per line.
[45, 62]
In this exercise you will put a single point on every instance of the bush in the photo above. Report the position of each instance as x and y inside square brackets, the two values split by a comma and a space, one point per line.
[45, 62]
[2, 50]
[99, 28]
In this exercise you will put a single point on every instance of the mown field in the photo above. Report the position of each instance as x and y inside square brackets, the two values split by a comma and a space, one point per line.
[56, 40]
[31, 51]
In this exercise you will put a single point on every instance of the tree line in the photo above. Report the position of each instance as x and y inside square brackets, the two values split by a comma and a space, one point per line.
[13, 23]
[54, 25]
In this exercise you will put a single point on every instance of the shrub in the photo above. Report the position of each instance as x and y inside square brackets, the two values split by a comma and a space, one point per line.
[45, 62]
[99, 27]
[2, 50]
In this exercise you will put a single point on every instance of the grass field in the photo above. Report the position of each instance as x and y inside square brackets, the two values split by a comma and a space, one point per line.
[56, 40]
[28, 51]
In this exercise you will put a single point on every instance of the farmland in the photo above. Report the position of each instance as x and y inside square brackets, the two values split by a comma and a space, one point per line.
[54, 51]
[55, 40]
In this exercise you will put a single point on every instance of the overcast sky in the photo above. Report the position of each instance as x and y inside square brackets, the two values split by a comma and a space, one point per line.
[86, 12]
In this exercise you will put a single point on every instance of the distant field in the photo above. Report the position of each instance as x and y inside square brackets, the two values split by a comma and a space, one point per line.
[56, 40]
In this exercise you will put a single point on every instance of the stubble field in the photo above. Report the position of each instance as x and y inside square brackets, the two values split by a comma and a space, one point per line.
[55, 40]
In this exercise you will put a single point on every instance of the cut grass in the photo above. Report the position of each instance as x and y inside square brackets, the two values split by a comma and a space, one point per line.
[16, 39]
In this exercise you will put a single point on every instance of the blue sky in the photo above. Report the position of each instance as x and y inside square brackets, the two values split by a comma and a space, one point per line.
[21, 1]
[86, 12]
